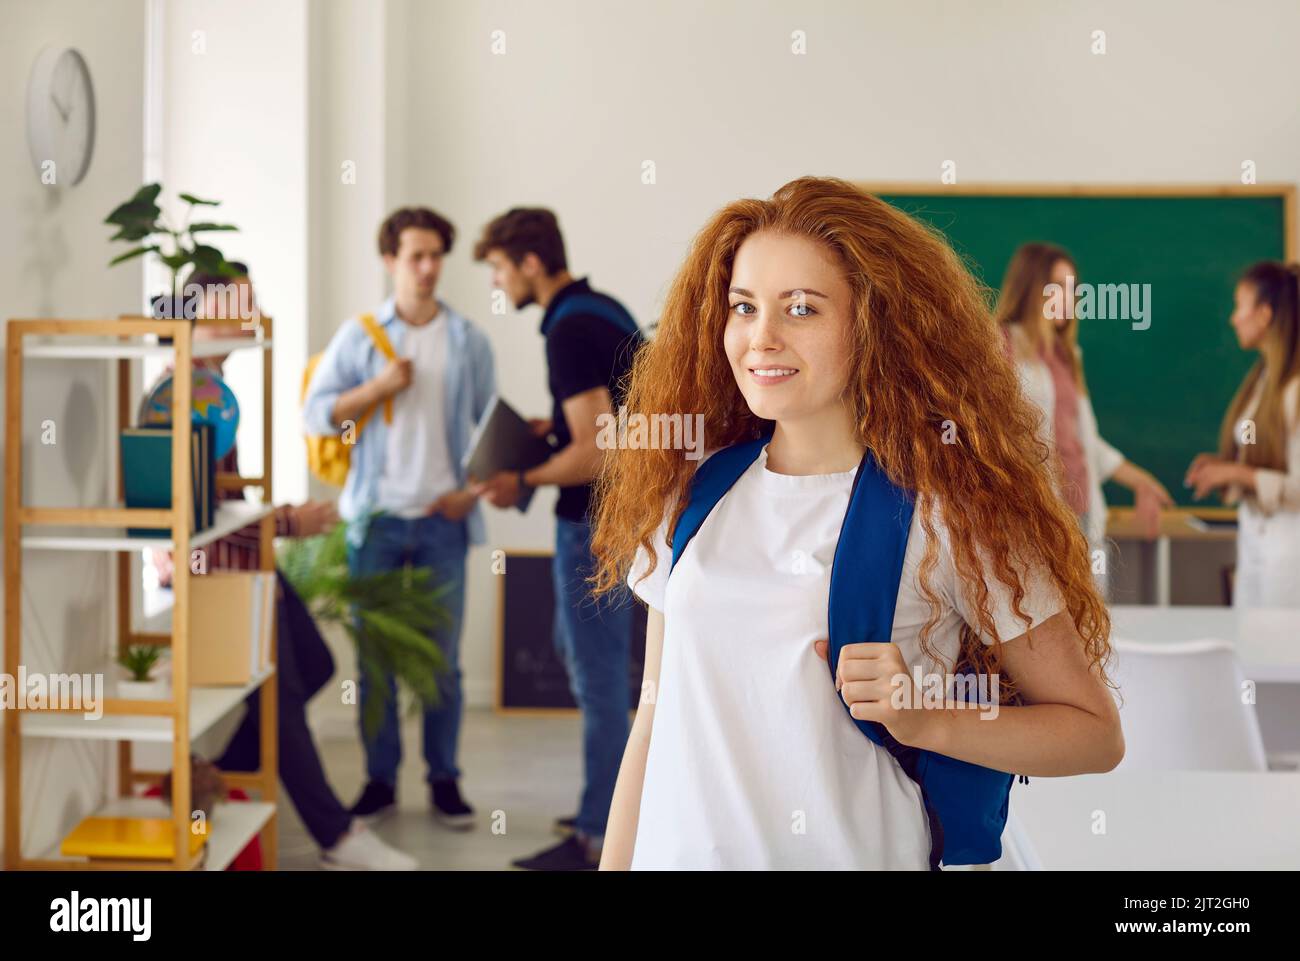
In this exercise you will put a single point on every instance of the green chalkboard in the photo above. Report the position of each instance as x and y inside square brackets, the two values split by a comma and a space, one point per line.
[1159, 392]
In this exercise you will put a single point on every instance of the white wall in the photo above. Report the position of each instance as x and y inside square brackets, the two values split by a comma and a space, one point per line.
[234, 129]
[711, 92]
[353, 162]
[53, 254]
[347, 178]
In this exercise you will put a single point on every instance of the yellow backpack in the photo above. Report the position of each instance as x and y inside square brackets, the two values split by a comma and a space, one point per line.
[328, 456]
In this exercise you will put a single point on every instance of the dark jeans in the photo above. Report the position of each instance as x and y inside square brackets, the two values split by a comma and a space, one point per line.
[303, 666]
[593, 639]
[440, 544]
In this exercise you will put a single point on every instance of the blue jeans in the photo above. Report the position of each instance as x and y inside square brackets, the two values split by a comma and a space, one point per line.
[593, 640]
[438, 543]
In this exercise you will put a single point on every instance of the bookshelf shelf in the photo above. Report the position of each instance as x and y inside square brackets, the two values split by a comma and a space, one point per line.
[233, 825]
[62, 537]
[191, 710]
[90, 348]
[208, 705]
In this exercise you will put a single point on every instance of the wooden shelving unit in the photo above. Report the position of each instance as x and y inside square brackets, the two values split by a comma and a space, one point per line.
[191, 710]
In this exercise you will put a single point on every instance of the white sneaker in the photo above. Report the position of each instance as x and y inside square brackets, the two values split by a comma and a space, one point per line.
[360, 849]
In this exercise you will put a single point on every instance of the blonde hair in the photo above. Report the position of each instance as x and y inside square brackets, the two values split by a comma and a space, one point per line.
[1021, 301]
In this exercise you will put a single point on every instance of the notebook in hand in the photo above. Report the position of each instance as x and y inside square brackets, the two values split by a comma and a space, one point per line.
[503, 441]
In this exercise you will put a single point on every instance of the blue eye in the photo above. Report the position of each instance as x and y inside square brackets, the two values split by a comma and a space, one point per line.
[744, 313]
[802, 307]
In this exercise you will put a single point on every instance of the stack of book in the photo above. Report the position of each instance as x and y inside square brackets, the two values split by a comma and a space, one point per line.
[146, 455]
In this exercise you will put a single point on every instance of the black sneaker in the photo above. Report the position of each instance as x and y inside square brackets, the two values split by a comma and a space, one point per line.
[449, 807]
[564, 827]
[376, 801]
[569, 855]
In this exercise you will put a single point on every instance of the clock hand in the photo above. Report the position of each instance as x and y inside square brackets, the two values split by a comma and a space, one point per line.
[59, 107]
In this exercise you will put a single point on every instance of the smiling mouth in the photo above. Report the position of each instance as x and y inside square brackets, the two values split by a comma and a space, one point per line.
[773, 375]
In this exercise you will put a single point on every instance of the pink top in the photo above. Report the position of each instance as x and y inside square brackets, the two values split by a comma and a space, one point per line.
[1065, 420]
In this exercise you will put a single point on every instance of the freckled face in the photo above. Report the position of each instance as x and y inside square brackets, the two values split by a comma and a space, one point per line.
[787, 334]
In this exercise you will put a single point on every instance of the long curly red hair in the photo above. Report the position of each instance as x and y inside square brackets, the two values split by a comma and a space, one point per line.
[927, 358]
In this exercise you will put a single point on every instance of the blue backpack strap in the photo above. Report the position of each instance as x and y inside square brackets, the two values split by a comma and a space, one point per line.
[966, 804]
[865, 574]
[713, 478]
[868, 561]
[603, 307]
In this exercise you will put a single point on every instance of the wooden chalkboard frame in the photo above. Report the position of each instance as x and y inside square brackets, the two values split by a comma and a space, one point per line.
[1118, 517]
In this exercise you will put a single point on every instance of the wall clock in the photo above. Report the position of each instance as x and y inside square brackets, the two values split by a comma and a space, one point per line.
[60, 115]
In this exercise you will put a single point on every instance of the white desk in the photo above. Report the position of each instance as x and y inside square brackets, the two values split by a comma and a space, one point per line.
[1163, 820]
[1267, 639]
[1178, 524]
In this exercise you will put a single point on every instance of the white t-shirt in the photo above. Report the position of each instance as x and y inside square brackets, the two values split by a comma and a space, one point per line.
[754, 762]
[417, 462]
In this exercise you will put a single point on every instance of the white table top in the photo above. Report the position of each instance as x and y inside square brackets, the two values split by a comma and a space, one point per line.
[1267, 639]
[1163, 820]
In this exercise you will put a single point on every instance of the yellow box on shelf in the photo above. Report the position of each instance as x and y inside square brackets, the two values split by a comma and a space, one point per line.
[133, 839]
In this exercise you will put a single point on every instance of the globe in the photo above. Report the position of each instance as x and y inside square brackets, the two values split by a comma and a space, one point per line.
[211, 402]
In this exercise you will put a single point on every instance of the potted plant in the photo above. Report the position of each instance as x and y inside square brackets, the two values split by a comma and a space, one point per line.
[142, 663]
[389, 616]
[141, 219]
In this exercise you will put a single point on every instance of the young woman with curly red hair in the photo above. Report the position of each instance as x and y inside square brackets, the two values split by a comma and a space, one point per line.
[840, 326]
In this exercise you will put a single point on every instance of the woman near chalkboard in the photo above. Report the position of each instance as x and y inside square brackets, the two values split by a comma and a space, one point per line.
[1041, 330]
[836, 341]
[1258, 461]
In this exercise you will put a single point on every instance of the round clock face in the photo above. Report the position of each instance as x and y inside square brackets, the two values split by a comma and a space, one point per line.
[61, 116]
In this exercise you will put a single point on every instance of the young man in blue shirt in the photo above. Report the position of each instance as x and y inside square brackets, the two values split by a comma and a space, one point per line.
[590, 342]
[405, 500]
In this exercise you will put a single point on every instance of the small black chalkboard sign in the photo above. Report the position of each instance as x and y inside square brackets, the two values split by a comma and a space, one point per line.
[532, 676]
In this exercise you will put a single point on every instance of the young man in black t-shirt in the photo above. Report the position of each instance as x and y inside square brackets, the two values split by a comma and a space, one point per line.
[590, 342]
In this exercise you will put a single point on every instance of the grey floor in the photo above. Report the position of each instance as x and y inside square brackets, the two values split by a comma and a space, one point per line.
[519, 774]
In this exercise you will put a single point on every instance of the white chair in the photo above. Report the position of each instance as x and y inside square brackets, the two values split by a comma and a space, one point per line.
[1181, 708]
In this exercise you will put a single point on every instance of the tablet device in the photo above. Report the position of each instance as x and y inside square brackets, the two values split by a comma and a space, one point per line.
[503, 441]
